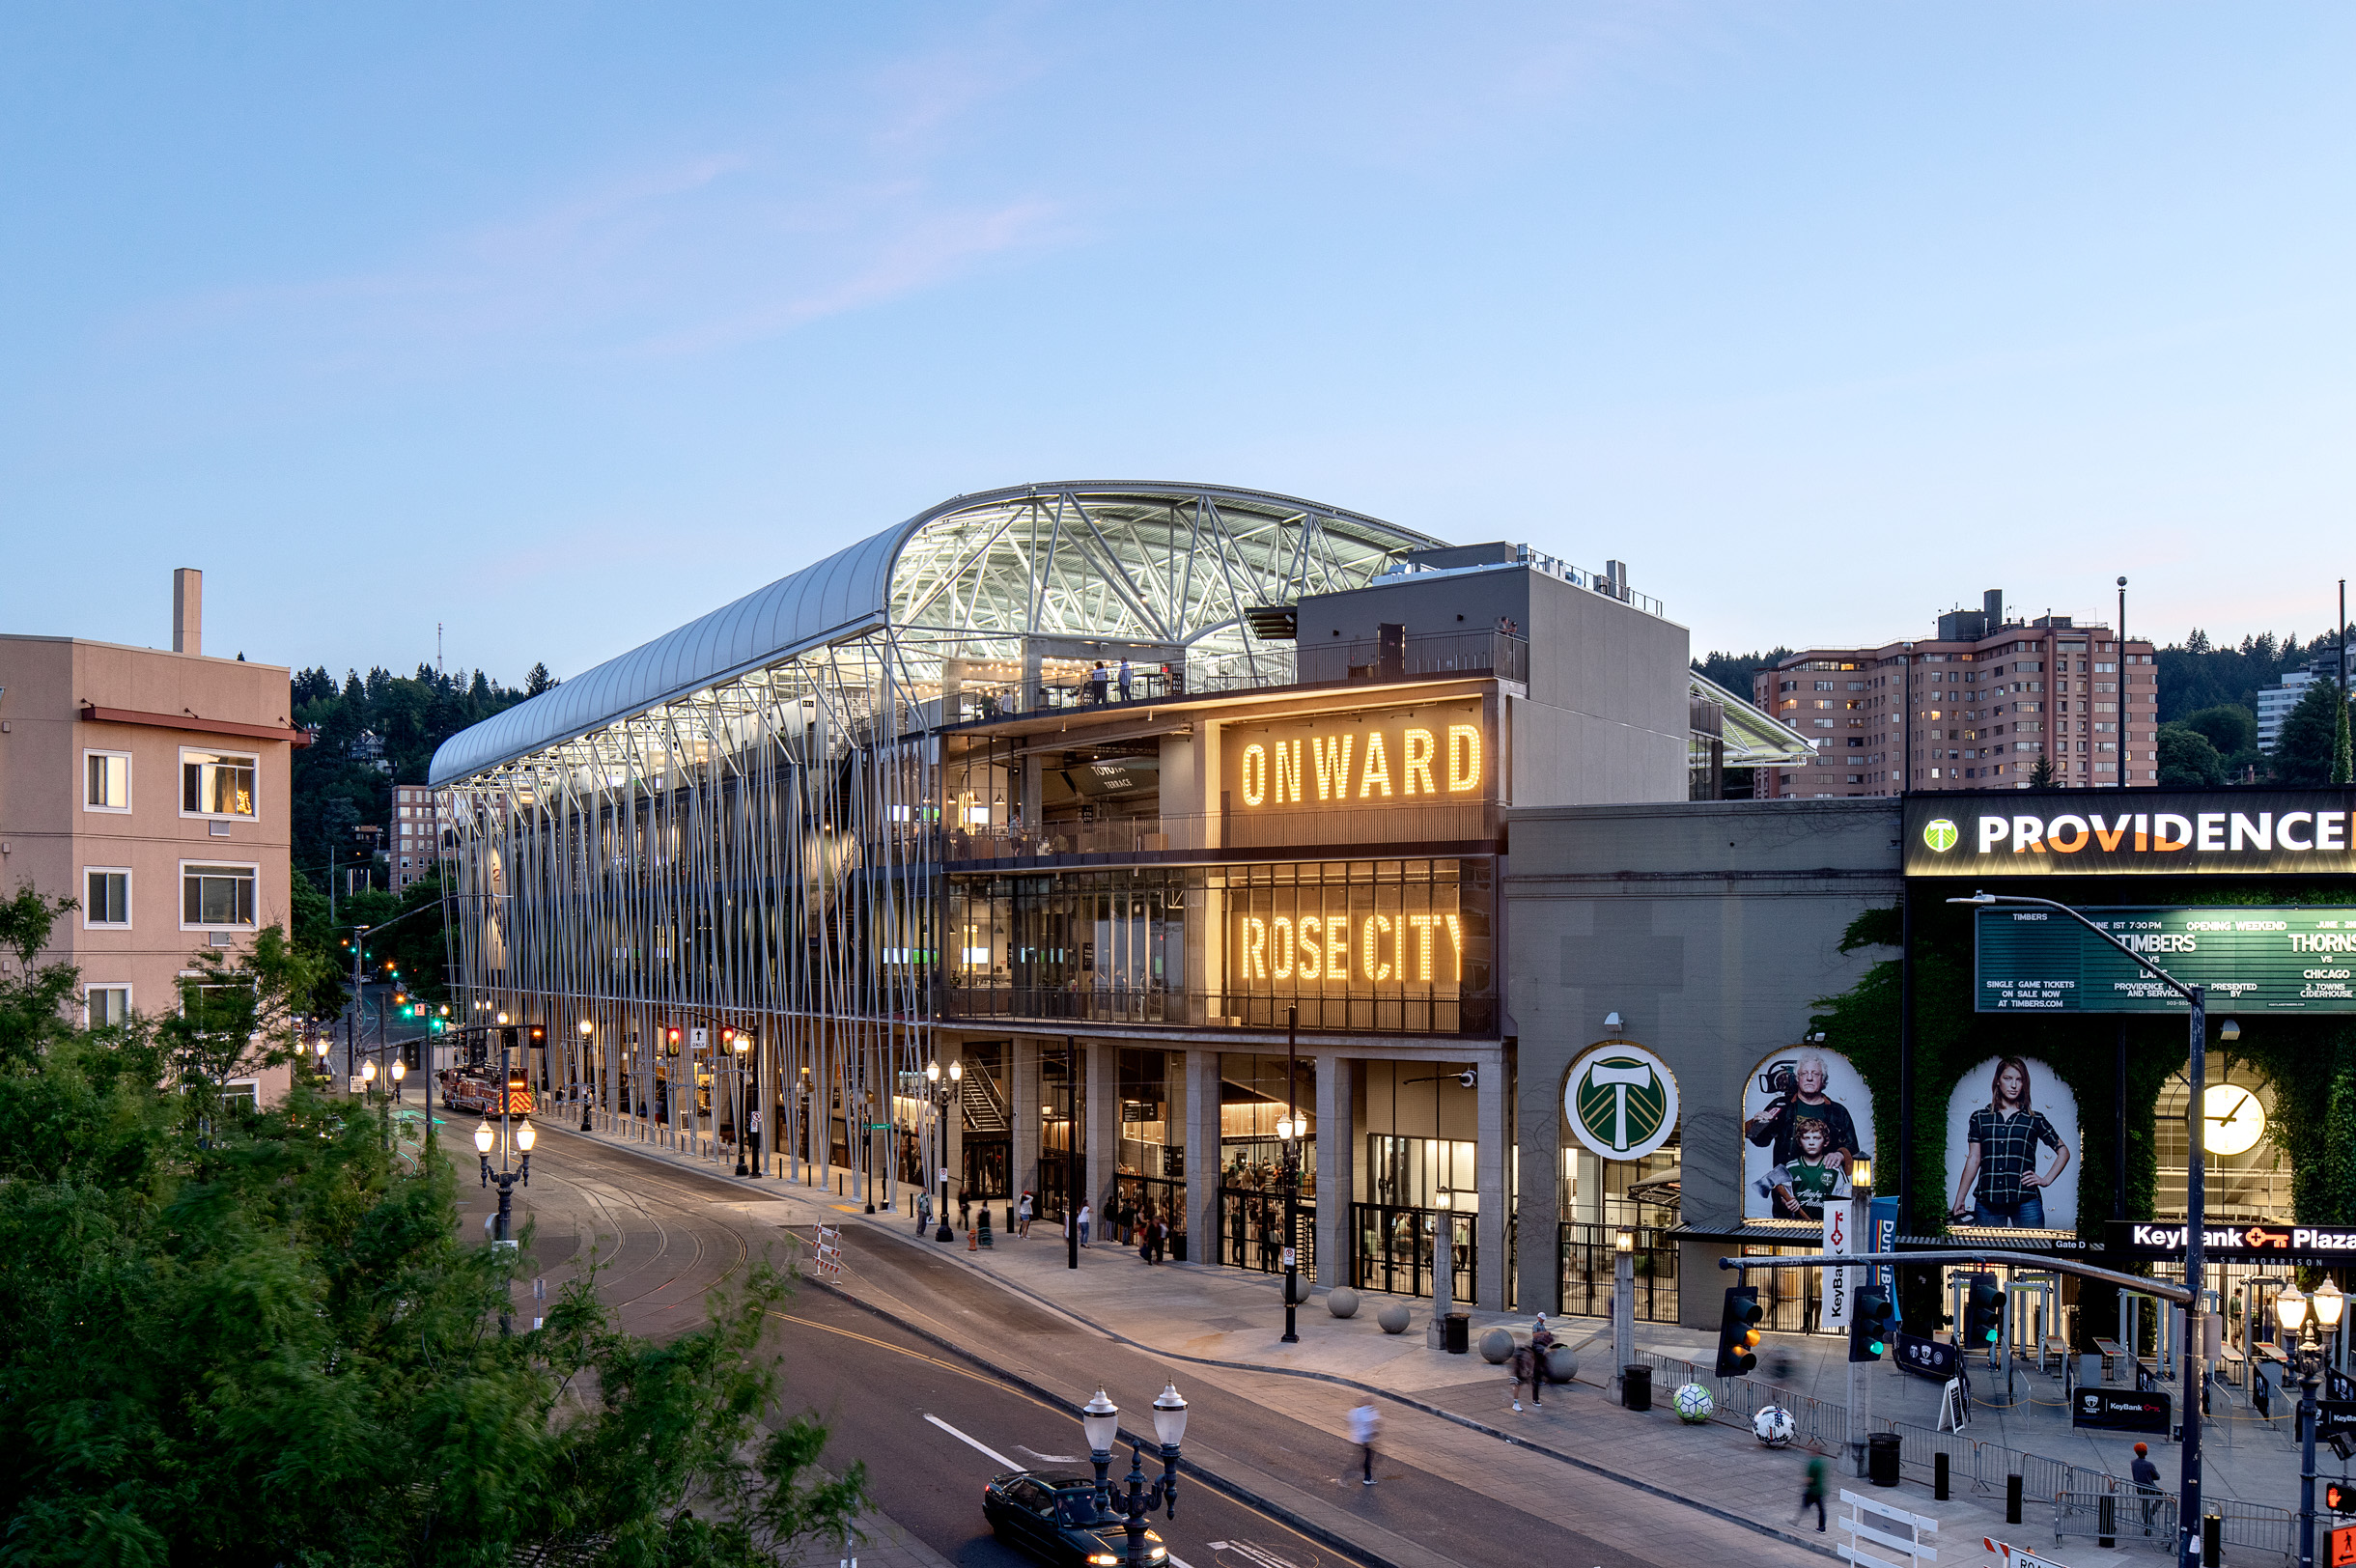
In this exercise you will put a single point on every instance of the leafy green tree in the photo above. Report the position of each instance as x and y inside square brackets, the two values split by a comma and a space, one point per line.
[2187, 759]
[2229, 726]
[2308, 748]
[238, 1335]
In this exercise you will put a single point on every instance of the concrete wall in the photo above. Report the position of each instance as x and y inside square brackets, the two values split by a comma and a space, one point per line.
[1606, 716]
[1710, 927]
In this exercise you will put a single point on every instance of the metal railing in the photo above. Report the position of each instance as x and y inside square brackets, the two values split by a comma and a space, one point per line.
[2127, 1518]
[1251, 1229]
[1309, 824]
[1588, 1270]
[1377, 1012]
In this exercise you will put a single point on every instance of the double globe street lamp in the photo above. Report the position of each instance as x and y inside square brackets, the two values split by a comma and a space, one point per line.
[940, 1099]
[2307, 1319]
[1101, 1420]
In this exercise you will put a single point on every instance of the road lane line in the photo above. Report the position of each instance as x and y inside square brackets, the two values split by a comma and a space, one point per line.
[972, 1443]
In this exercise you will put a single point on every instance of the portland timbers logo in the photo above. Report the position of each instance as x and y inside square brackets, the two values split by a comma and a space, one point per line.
[1941, 834]
[1621, 1101]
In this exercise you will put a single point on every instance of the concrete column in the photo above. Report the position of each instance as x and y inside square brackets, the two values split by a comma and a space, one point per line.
[1493, 1155]
[1202, 1152]
[1336, 1145]
[1022, 1108]
[1539, 1268]
[1103, 1098]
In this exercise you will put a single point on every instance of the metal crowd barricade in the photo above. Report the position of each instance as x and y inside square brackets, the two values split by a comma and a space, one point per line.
[2121, 1514]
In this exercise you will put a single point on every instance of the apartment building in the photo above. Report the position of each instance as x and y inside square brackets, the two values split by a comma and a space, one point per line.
[152, 787]
[415, 836]
[1990, 697]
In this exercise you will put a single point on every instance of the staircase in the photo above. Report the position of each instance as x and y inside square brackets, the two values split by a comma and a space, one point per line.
[985, 1107]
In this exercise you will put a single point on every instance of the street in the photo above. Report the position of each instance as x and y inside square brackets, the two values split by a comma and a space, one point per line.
[921, 1417]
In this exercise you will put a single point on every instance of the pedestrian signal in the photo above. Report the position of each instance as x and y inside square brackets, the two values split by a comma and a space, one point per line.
[1984, 1312]
[1738, 1333]
[1871, 1322]
[2339, 1497]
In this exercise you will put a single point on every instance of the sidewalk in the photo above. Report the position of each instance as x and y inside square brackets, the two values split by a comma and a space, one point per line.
[1226, 1323]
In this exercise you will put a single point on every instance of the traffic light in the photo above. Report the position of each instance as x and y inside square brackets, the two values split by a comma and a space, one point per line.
[1738, 1333]
[539, 1035]
[1983, 1313]
[1871, 1322]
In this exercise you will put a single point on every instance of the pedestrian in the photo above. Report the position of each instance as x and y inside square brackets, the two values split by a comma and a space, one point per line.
[1124, 679]
[1096, 684]
[1366, 1422]
[965, 1209]
[924, 1211]
[1145, 1237]
[1812, 1492]
[2147, 1477]
[1530, 1364]
[752, 1126]
[1086, 1215]
[1023, 1216]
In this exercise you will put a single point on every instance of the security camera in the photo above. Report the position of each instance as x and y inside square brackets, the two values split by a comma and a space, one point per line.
[1611, 1022]
[1470, 1076]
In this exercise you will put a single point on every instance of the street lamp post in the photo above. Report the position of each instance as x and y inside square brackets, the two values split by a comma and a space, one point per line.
[942, 1098]
[1624, 1302]
[1101, 1419]
[2196, 1210]
[742, 1044]
[2308, 1318]
[588, 1031]
[1289, 1130]
[508, 1138]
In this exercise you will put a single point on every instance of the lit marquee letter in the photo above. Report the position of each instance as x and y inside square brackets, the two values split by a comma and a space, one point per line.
[1420, 745]
[1456, 939]
[1288, 772]
[1338, 947]
[1376, 926]
[1312, 949]
[1333, 759]
[1254, 774]
[1378, 768]
[1464, 758]
[1423, 924]
[1280, 948]
[1255, 948]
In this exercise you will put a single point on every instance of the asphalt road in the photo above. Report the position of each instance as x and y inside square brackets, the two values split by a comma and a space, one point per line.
[919, 1415]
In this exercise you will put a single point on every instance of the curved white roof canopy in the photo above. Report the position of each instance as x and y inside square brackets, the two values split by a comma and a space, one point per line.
[1146, 562]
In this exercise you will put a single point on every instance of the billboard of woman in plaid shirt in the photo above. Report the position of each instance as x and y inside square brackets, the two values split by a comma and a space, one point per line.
[1999, 1183]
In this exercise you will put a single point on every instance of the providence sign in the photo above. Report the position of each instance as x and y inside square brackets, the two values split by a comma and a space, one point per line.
[2101, 832]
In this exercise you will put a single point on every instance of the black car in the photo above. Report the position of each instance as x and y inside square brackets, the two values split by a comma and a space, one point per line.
[1050, 1516]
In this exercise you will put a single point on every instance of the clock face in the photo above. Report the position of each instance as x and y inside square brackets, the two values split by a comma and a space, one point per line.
[2232, 1119]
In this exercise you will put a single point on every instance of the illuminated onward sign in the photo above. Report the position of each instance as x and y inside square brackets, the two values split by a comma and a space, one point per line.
[1434, 757]
[2096, 831]
[1398, 949]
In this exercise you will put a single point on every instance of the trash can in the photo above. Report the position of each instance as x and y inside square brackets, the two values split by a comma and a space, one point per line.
[1882, 1458]
[1456, 1334]
[1636, 1387]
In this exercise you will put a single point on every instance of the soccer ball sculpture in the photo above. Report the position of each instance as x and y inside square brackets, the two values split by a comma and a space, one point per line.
[1775, 1426]
[1694, 1403]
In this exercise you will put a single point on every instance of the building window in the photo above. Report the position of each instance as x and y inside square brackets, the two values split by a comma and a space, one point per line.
[216, 895]
[216, 784]
[106, 781]
[106, 897]
[105, 1005]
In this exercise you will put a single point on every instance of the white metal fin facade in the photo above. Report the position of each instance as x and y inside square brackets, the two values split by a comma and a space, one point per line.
[735, 826]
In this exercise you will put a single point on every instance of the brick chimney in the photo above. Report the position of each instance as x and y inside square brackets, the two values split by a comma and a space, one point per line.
[187, 610]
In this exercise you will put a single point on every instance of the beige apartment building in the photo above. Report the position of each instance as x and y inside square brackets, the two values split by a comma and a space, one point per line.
[414, 837]
[152, 787]
[1990, 697]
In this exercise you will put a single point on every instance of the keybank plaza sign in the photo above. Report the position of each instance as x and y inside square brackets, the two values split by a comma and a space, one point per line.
[2161, 1239]
[2094, 832]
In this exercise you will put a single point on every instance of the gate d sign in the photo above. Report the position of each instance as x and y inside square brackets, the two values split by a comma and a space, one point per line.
[1620, 1099]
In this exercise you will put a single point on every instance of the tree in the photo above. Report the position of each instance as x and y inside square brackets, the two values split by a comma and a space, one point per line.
[537, 680]
[2340, 743]
[2187, 759]
[230, 1334]
[2230, 726]
[2308, 748]
[2042, 773]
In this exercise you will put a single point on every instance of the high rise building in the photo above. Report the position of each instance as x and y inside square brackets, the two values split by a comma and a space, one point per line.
[1991, 697]
[415, 837]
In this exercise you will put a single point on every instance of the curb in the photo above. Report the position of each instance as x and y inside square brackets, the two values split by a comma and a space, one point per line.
[1307, 1528]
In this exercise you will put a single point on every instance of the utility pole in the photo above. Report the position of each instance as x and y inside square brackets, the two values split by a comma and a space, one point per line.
[1292, 1170]
[1071, 1154]
[1906, 972]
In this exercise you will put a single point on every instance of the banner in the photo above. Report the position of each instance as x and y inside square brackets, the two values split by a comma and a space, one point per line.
[2119, 1410]
[2119, 832]
[1807, 1114]
[2011, 1146]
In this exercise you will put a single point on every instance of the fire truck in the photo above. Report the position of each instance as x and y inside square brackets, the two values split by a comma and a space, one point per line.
[477, 1088]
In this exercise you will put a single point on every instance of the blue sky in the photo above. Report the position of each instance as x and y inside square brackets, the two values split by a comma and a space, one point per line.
[560, 326]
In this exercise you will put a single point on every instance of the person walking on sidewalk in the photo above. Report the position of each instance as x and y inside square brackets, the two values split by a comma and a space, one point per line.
[1812, 1492]
[1530, 1364]
[1086, 1215]
[1366, 1422]
[924, 1211]
[1023, 1216]
[2147, 1477]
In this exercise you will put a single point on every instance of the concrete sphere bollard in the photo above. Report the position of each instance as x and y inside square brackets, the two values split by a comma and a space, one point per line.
[1393, 1317]
[1342, 1301]
[1561, 1363]
[1299, 1288]
[1496, 1347]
